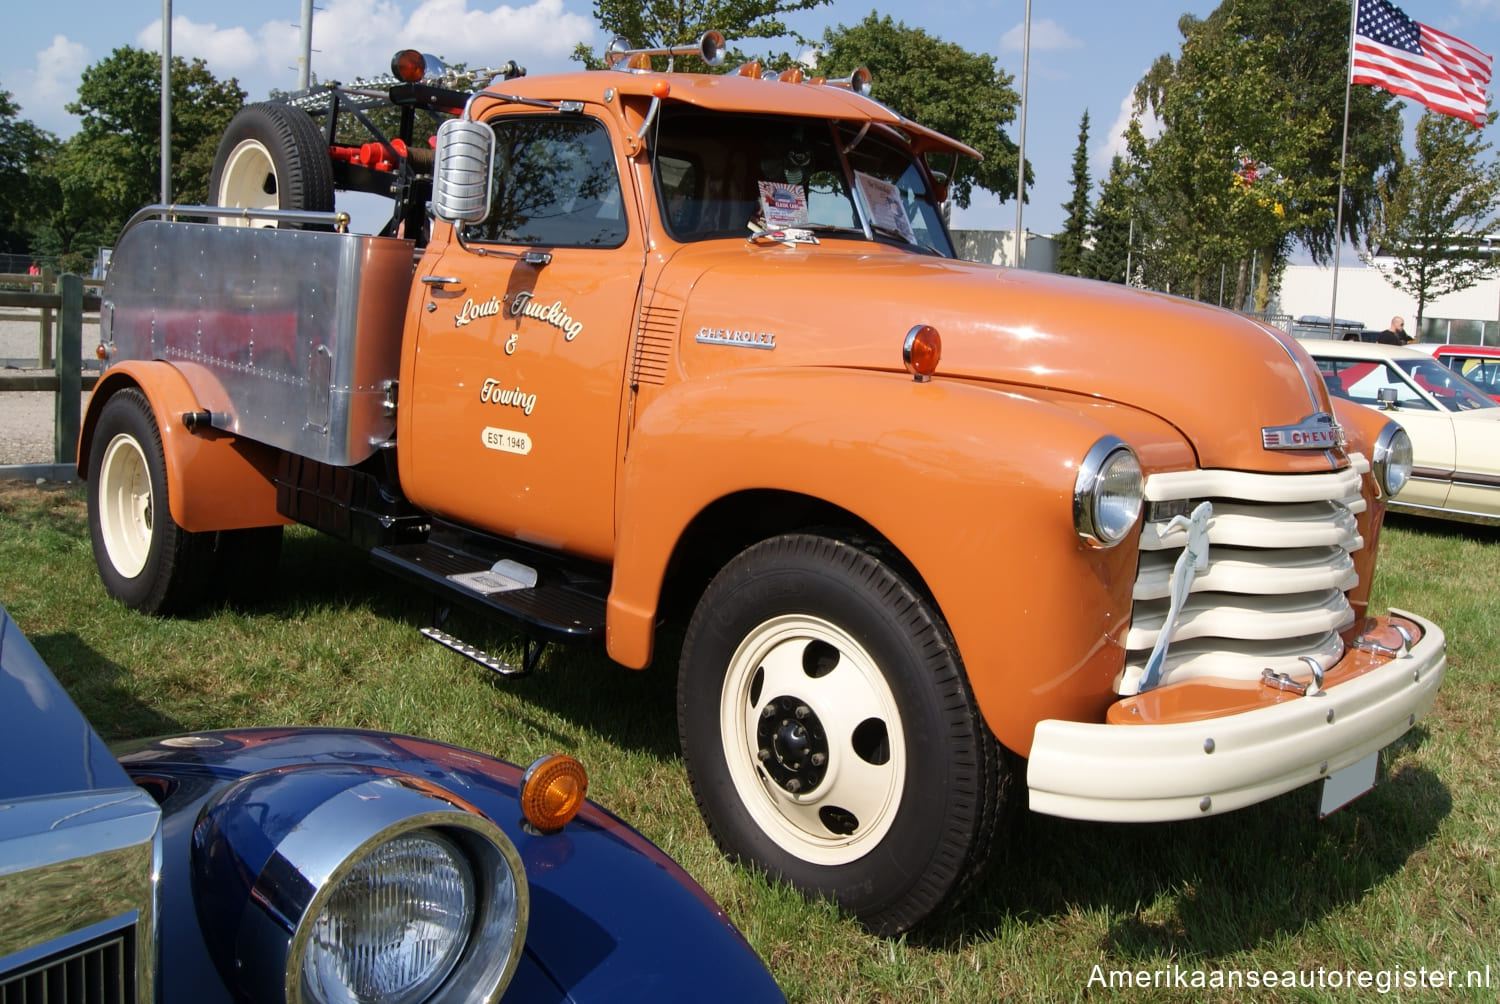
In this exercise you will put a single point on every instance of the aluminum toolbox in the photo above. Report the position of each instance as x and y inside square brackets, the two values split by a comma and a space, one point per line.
[288, 337]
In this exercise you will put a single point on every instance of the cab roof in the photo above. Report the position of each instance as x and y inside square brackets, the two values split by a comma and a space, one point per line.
[731, 92]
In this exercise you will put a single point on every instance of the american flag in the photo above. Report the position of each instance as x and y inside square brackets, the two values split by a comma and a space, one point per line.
[1405, 57]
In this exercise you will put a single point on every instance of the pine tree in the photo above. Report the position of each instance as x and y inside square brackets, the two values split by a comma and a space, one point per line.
[1109, 229]
[1071, 249]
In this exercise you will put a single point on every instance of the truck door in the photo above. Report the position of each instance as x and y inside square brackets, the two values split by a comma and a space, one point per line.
[510, 417]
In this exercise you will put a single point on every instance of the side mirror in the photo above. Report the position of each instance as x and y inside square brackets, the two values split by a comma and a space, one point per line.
[462, 167]
[1387, 398]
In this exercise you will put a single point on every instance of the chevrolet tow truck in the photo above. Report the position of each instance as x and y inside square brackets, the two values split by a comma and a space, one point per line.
[642, 347]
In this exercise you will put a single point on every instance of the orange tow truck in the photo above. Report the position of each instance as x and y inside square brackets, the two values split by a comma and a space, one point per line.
[641, 347]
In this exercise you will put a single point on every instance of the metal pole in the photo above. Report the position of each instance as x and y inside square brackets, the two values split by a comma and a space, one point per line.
[304, 61]
[1129, 251]
[1021, 142]
[166, 101]
[1338, 215]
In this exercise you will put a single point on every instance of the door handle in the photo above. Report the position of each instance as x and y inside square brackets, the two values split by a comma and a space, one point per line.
[439, 281]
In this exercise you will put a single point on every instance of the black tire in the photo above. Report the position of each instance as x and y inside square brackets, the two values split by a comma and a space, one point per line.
[146, 560]
[271, 156]
[804, 644]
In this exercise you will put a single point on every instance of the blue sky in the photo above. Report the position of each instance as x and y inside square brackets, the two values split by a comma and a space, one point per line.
[1084, 54]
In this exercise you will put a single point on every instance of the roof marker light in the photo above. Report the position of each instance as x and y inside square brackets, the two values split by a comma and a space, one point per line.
[408, 65]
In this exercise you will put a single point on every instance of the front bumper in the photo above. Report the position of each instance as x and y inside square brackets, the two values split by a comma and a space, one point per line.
[1209, 765]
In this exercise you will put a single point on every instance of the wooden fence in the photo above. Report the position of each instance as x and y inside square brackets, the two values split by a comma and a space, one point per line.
[61, 304]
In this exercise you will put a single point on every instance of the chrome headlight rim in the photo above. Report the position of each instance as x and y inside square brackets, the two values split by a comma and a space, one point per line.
[1392, 460]
[480, 968]
[1110, 457]
[287, 865]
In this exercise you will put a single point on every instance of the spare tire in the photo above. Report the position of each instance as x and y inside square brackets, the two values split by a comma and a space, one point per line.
[272, 156]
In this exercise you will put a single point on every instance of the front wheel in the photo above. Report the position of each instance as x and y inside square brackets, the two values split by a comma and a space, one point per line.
[145, 559]
[829, 732]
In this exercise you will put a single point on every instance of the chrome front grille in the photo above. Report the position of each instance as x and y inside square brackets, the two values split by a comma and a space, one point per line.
[1279, 563]
[101, 971]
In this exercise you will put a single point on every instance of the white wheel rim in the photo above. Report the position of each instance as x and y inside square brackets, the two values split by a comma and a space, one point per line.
[243, 183]
[843, 814]
[125, 510]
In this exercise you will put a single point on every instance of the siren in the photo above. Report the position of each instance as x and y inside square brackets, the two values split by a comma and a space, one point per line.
[709, 48]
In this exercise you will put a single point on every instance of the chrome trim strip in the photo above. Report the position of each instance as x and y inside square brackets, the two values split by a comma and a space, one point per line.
[75, 862]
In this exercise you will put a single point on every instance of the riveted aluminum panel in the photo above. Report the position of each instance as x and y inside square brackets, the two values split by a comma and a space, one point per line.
[288, 337]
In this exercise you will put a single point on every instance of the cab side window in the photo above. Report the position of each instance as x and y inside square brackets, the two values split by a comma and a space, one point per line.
[555, 185]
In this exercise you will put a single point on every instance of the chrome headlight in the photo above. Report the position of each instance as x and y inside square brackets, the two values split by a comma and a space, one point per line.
[337, 884]
[1107, 493]
[1393, 459]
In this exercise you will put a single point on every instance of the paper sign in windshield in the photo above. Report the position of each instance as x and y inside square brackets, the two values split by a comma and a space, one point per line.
[887, 211]
[783, 205]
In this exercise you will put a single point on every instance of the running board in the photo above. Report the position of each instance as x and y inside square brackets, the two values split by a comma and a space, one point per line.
[489, 662]
[551, 597]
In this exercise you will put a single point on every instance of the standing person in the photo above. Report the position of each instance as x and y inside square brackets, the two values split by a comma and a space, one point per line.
[1395, 334]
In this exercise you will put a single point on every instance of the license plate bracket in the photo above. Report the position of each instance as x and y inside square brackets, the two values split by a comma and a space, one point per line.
[1344, 786]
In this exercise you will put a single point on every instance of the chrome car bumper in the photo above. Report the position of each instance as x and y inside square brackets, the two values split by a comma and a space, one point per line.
[1183, 770]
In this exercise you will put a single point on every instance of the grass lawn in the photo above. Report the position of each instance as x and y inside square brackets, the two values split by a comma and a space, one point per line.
[1405, 879]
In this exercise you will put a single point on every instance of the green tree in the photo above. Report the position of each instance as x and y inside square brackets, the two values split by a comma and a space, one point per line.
[119, 102]
[658, 24]
[1269, 78]
[24, 193]
[1231, 177]
[1435, 213]
[1110, 228]
[939, 84]
[1070, 243]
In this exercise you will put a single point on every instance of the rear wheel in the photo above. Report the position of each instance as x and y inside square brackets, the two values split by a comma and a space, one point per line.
[272, 156]
[829, 732]
[145, 559]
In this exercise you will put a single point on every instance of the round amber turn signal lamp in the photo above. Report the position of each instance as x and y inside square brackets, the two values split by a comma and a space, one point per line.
[921, 351]
[552, 791]
[408, 65]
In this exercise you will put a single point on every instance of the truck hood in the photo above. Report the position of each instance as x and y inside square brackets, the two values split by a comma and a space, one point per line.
[1219, 378]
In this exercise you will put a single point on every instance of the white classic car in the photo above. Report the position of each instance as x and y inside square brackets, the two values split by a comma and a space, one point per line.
[1454, 426]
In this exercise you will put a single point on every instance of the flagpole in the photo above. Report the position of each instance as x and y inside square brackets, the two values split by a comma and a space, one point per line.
[1338, 214]
[1021, 141]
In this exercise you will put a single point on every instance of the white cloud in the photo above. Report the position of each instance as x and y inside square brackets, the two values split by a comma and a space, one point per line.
[1046, 36]
[1113, 143]
[356, 38]
[227, 51]
[45, 90]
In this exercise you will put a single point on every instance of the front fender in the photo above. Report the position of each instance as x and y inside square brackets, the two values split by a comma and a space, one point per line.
[972, 483]
[215, 480]
[612, 919]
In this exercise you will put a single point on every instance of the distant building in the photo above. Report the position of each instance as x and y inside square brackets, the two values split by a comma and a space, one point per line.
[1470, 317]
[998, 247]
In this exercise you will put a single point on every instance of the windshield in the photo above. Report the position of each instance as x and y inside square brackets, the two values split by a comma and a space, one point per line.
[730, 175]
[1481, 371]
[1452, 391]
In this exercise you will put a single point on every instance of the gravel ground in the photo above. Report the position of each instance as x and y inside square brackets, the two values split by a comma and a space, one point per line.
[26, 416]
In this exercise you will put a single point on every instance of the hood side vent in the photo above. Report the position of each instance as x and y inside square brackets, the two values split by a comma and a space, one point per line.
[654, 337]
